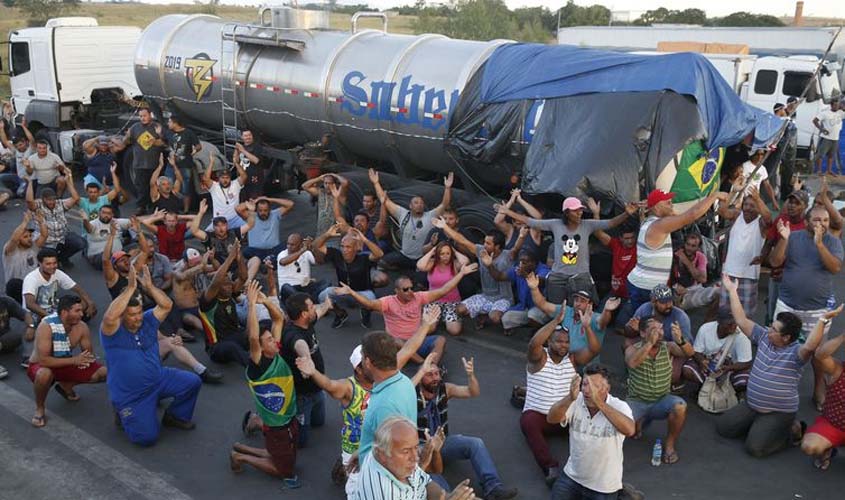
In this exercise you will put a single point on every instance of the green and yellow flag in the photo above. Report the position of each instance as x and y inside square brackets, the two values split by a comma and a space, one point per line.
[697, 172]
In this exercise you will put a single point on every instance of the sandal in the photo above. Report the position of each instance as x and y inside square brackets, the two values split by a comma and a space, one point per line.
[823, 463]
[68, 395]
[797, 437]
[670, 457]
[39, 421]
[245, 424]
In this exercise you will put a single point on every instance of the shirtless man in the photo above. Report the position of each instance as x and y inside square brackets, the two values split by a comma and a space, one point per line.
[51, 360]
[116, 269]
[185, 294]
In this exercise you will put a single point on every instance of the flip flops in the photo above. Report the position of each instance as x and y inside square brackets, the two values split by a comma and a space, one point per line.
[823, 463]
[39, 421]
[670, 457]
[68, 395]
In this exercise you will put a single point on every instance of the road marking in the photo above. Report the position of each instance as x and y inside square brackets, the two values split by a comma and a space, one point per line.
[507, 351]
[144, 482]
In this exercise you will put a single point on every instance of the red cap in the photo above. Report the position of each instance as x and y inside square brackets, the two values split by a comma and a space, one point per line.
[118, 255]
[657, 196]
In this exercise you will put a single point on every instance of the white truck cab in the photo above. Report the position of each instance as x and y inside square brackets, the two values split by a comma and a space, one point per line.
[776, 79]
[68, 73]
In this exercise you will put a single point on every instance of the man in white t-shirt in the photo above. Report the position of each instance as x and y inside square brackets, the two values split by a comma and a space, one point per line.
[760, 179]
[713, 338]
[598, 425]
[46, 169]
[41, 287]
[293, 267]
[98, 234]
[225, 194]
[829, 123]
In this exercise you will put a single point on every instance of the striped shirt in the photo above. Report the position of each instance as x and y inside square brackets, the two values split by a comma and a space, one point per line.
[652, 379]
[375, 482]
[549, 385]
[773, 383]
[653, 264]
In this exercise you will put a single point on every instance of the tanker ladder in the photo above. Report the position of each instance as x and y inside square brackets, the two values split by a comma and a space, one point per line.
[234, 80]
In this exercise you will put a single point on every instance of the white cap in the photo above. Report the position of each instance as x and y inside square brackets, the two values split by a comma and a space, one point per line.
[356, 357]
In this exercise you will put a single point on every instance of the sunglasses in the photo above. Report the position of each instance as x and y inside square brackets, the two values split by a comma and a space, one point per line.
[407, 289]
[298, 266]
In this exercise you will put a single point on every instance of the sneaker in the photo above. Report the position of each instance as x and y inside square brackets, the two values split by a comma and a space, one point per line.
[25, 362]
[210, 376]
[169, 420]
[552, 476]
[630, 493]
[339, 320]
[291, 483]
[366, 318]
[502, 493]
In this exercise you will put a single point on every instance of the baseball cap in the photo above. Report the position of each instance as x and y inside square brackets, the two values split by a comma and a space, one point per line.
[572, 203]
[219, 220]
[118, 255]
[225, 171]
[661, 293]
[657, 196]
[102, 139]
[800, 195]
[583, 293]
[356, 357]
[192, 256]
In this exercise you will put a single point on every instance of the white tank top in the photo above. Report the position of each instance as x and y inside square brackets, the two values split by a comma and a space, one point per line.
[745, 243]
[653, 264]
[549, 385]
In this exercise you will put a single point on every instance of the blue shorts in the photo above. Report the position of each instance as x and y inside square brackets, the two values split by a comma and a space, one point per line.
[656, 410]
[427, 345]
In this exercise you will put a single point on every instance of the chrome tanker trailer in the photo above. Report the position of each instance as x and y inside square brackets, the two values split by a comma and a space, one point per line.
[378, 98]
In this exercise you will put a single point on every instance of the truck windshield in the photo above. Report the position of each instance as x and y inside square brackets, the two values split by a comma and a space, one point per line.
[19, 58]
[830, 87]
[794, 83]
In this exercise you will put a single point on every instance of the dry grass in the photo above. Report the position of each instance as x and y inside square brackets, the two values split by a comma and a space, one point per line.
[109, 14]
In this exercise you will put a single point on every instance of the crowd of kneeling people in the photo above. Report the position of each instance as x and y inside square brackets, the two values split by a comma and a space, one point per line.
[252, 298]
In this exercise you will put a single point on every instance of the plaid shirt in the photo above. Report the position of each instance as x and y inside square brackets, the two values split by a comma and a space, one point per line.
[55, 220]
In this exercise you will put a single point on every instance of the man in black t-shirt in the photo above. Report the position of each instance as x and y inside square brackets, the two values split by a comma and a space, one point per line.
[225, 340]
[184, 143]
[146, 139]
[221, 237]
[300, 340]
[352, 267]
[248, 155]
[10, 341]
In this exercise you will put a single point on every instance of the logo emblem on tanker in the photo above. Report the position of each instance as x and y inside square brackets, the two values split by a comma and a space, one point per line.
[199, 71]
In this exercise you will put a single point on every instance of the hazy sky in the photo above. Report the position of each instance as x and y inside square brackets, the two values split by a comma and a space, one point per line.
[822, 8]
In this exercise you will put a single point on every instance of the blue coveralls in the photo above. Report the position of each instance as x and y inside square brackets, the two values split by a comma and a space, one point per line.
[137, 381]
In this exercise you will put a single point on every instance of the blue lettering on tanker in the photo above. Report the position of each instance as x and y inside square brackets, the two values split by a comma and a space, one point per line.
[376, 101]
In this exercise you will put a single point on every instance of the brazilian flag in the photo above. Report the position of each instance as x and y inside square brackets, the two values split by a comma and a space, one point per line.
[697, 172]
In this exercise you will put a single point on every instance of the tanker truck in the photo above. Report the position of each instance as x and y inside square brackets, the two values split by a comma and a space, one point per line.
[421, 106]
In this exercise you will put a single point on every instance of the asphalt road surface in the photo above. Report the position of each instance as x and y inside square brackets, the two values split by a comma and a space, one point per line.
[80, 454]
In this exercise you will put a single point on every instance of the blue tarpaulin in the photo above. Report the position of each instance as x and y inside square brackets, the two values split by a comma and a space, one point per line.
[531, 71]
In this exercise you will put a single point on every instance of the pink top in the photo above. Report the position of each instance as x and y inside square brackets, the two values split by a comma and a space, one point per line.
[439, 276]
[402, 320]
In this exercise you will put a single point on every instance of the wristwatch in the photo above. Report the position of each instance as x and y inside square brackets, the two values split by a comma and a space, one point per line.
[825, 321]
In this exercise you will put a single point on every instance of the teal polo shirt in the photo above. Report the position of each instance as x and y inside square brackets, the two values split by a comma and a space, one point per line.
[394, 396]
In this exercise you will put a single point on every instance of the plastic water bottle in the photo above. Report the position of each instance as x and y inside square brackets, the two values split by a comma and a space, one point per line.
[657, 454]
[831, 302]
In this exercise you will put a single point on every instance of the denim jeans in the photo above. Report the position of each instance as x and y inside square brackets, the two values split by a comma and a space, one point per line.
[460, 447]
[72, 245]
[313, 289]
[311, 412]
[567, 489]
[345, 301]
